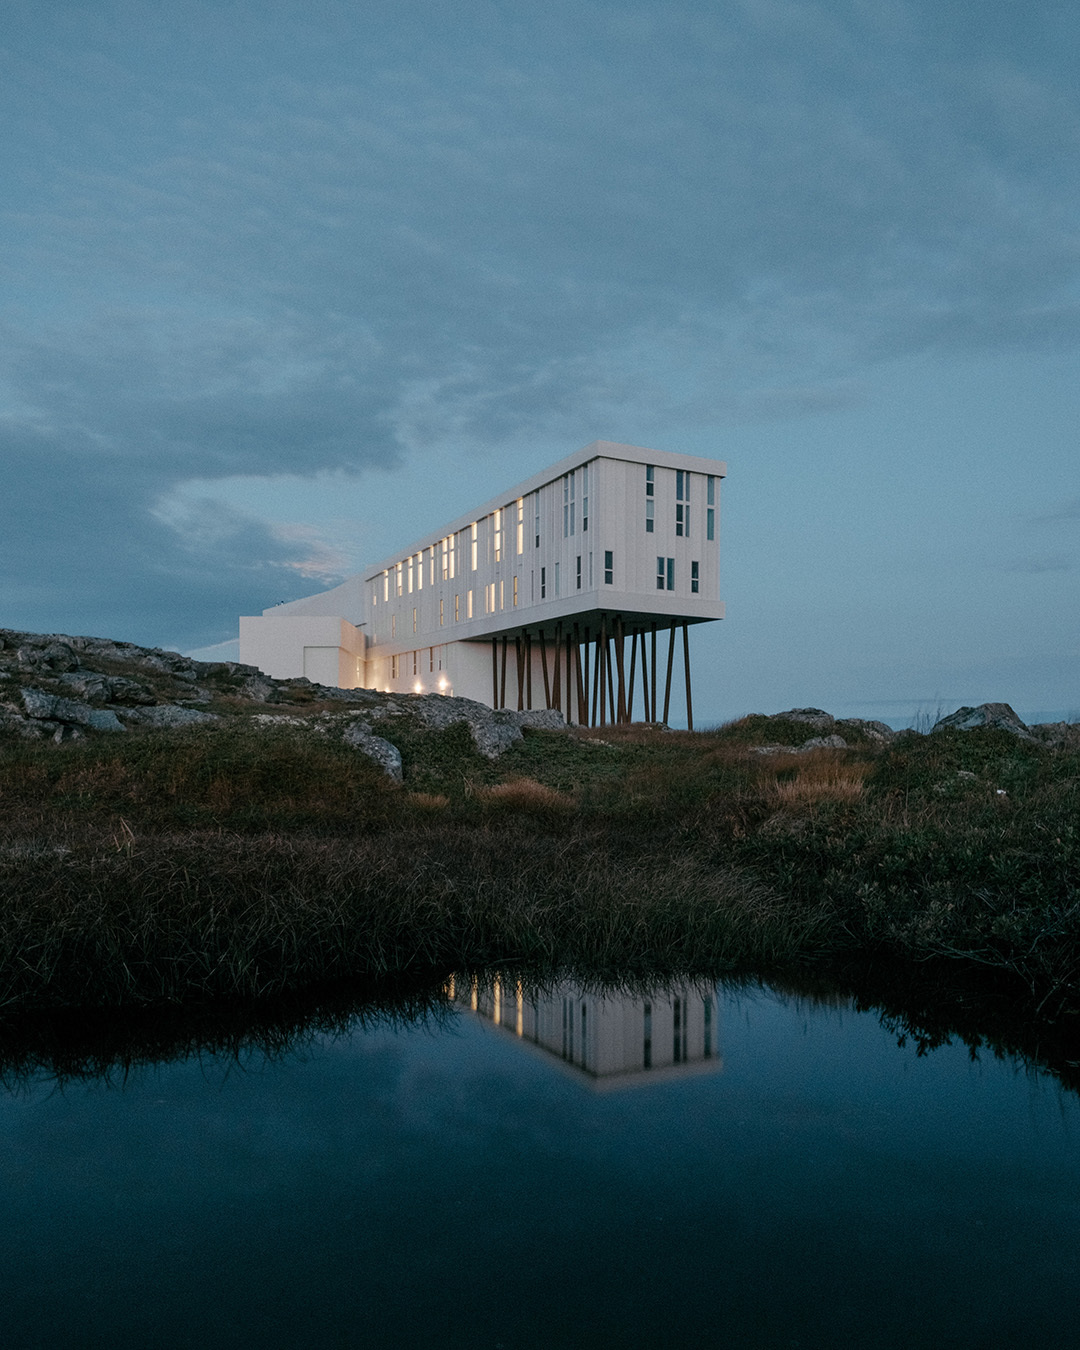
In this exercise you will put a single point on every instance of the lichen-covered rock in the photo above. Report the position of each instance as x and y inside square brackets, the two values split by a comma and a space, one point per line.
[51, 707]
[165, 715]
[997, 715]
[387, 756]
[833, 742]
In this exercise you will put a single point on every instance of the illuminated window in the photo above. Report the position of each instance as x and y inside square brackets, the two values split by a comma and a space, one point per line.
[520, 540]
[400, 570]
[442, 616]
[498, 536]
[431, 561]
[609, 567]
[468, 604]
[453, 547]
[473, 546]
[446, 560]
[502, 595]
[431, 660]
[515, 592]
[386, 584]
[457, 608]
[410, 574]
[394, 667]
[420, 571]
[415, 660]
[393, 625]
[694, 577]
[414, 624]
[489, 598]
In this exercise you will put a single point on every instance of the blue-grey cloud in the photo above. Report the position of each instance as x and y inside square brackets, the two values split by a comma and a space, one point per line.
[259, 240]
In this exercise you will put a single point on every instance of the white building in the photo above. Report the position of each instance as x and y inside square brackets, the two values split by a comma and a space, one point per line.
[552, 594]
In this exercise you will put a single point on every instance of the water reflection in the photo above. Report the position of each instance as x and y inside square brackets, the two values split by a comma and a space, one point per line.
[611, 1038]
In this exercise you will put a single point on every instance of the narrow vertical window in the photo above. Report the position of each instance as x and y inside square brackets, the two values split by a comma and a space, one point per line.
[671, 574]
[579, 571]
[386, 584]
[650, 507]
[393, 625]
[446, 559]
[457, 608]
[609, 567]
[695, 578]
[410, 574]
[453, 547]
[395, 665]
[473, 546]
[515, 592]
[543, 583]
[420, 570]
[431, 660]
[414, 619]
[650, 480]
[468, 604]
[400, 578]
[502, 595]
[498, 536]
[590, 571]
[415, 659]
[569, 501]
[584, 499]
[710, 512]
[519, 542]
[442, 611]
[431, 560]
[536, 522]
[660, 573]
[556, 579]
[682, 503]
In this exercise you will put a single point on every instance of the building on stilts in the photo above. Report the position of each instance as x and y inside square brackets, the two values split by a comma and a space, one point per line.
[574, 590]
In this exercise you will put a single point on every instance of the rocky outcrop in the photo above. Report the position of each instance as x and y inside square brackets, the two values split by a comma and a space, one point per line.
[61, 688]
[996, 715]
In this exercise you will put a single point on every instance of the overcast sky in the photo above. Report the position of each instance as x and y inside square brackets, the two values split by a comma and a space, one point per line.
[288, 283]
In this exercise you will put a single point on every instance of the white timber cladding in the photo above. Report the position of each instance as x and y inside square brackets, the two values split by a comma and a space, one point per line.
[611, 530]
[476, 566]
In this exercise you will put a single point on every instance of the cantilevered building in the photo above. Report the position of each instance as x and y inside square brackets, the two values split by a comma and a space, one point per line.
[573, 590]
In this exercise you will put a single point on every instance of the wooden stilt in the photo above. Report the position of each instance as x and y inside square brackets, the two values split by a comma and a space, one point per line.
[494, 672]
[582, 682]
[601, 673]
[670, 661]
[528, 670]
[597, 678]
[620, 664]
[609, 671]
[655, 681]
[686, 667]
[633, 671]
[519, 662]
[544, 665]
[502, 676]
[645, 717]
[556, 688]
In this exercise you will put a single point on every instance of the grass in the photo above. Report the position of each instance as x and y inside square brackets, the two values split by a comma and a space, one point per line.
[240, 862]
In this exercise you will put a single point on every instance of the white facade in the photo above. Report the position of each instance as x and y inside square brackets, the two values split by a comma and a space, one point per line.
[549, 595]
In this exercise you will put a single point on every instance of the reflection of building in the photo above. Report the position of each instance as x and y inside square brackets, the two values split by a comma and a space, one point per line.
[552, 595]
[611, 1038]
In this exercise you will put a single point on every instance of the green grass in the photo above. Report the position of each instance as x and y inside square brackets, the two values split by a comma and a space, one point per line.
[239, 862]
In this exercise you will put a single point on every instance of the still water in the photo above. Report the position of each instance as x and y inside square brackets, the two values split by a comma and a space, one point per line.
[782, 1174]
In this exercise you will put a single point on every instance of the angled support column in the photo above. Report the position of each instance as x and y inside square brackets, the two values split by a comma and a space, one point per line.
[528, 670]
[556, 688]
[686, 667]
[670, 663]
[519, 662]
[655, 680]
[633, 671]
[544, 665]
[502, 676]
[620, 663]
[494, 672]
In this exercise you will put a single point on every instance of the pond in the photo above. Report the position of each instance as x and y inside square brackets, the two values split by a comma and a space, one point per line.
[691, 1166]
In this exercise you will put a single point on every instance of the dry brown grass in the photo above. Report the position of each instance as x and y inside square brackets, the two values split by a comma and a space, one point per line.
[819, 776]
[427, 801]
[525, 794]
